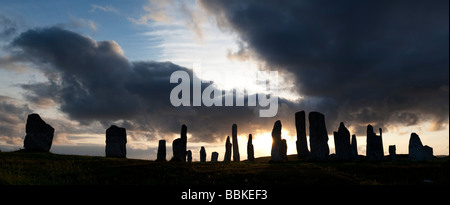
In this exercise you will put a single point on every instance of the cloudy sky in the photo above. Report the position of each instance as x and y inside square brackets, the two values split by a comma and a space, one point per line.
[84, 65]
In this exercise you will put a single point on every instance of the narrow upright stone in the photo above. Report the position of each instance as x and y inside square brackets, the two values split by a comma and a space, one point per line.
[318, 137]
[279, 147]
[342, 143]
[392, 153]
[354, 147]
[374, 147]
[179, 146]
[116, 140]
[39, 135]
[189, 156]
[302, 146]
[202, 154]
[161, 155]
[236, 156]
[250, 150]
[228, 146]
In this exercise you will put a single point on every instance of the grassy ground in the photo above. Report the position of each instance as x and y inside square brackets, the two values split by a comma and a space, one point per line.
[47, 169]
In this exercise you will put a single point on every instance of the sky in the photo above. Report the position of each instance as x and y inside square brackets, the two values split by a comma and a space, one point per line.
[85, 65]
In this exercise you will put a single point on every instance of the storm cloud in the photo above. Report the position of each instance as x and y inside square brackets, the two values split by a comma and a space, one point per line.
[92, 81]
[379, 62]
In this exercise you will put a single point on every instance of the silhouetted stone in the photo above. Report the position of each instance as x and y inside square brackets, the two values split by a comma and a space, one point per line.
[250, 150]
[116, 140]
[302, 145]
[318, 137]
[161, 155]
[278, 152]
[214, 157]
[283, 149]
[228, 145]
[189, 155]
[354, 148]
[39, 135]
[202, 154]
[415, 148]
[342, 143]
[392, 153]
[179, 146]
[427, 153]
[236, 156]
[374, 147]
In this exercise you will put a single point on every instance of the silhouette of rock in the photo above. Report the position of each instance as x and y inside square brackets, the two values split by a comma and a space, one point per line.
[318, 137]
[116, 140]
[236, 156]
[428, 153]
[374, 147]
[179, 146]
[342, 143]
[354, 148]
[39, 135]
[189, 156]
[250, 150]
[418, 152]
[214, 157]
[392, 153]
[202, 154]
[278, 152]
[161, 155]
[228, 145]
[302, 146]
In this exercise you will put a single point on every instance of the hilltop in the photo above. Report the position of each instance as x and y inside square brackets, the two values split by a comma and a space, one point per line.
[43, 168]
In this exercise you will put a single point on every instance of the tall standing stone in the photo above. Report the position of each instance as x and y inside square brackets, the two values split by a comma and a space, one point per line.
[418, 152]
[342, 143]
[189, 155]
[116, 140]
[161, 155]
[179, 146]
[374, 147]
[236, 156]
[279, 147]
[302, 145]
[250, 150]
[354, 148]
[318, 137]
[202, 154]
[392, 153]
[228, 145]
[214, 156]
[39, 135]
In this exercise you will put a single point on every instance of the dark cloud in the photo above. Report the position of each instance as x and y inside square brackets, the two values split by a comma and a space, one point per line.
[92, 81]
[12, 116]
[379, 62]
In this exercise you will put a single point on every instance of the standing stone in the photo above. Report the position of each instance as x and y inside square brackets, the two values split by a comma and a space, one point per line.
[236, 156]
[202, 154]
[427, 153]
[214, 157]
[354, 148]
[179, 146]
[374, 147]
[318, 137]
[250, 150]
[161, 155]
[278, 152]
[39, 135]
[228, 145]
[116, 140]
[189, 156]
[392, 153]
[342, 143]
[302, 146]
